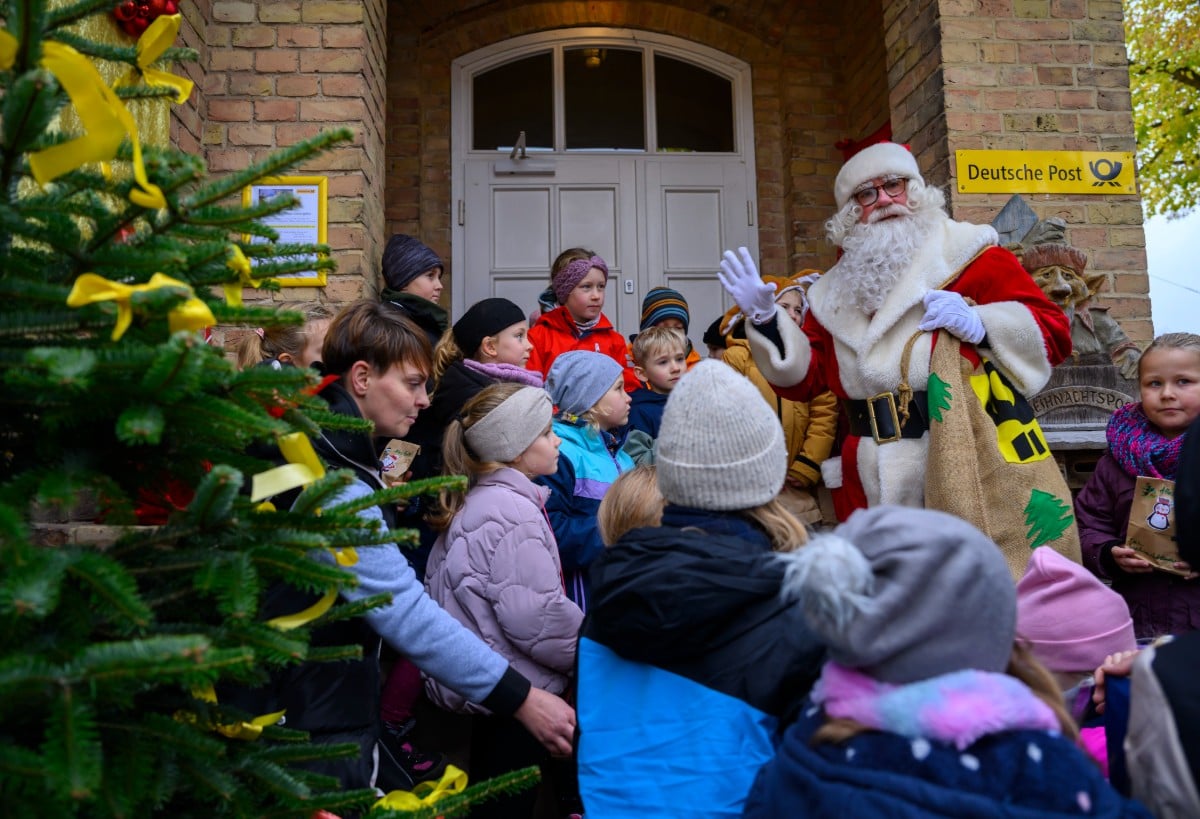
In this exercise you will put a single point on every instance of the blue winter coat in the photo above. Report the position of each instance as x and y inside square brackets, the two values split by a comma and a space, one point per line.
[688, 663]
[588, 462]
[1014, 774]
[646, 411]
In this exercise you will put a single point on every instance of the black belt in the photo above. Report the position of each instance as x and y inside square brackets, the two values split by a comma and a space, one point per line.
[877, 417]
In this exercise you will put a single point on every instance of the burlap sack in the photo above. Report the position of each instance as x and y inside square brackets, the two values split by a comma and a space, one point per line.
[989, 462]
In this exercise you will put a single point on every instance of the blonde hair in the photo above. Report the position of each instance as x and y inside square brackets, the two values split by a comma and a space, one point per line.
[655, 341]
[1022, 665]
[1171, 341]
[265, 343]
[457, 458]
[631, 501]
[444, 354]
[591, 416]
[786, 532]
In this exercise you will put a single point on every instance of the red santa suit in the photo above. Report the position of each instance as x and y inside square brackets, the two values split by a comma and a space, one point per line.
[857, 356]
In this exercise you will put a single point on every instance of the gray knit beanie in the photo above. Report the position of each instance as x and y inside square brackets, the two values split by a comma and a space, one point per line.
[906, 594]
[405, 258]
[720, 447]
[578, 380]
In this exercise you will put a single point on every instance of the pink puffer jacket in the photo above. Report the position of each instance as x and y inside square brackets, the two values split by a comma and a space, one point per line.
[497, 571]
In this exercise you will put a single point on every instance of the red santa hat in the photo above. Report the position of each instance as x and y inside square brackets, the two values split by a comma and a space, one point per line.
[879, 160]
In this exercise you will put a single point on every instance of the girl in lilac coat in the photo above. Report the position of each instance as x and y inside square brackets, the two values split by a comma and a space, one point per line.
[495, 567]
[1144, 439]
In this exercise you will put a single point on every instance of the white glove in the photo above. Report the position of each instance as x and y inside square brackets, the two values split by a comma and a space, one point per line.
[740, 279]
[945, 309]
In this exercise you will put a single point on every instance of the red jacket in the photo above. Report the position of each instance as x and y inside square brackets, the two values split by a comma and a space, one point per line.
[555, 333]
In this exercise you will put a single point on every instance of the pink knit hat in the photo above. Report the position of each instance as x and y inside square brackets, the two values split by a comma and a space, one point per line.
[1069, 619]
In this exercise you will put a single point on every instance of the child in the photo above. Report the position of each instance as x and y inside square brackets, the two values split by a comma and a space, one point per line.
[488, 345]
[664, 307]
[1071, 621]
[1144, 439]
[495, 568]
[659, 360]
[412, 276]
[809, 426]
[689, 660]
[588, 390]
[926, 707]
[297, 345]
[579, 278]
[631, 502]
[714, 339]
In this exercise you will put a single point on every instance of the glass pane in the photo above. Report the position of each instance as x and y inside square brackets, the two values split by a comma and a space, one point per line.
[514, 97]
[605, 107]
[693, 107]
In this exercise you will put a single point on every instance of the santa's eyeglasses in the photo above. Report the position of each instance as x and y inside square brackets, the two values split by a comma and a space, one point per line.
[869, 195]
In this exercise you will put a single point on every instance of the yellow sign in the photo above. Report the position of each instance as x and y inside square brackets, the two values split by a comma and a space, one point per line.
[1045, 172]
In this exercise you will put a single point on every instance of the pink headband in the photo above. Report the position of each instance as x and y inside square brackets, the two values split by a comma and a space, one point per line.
[571, 275]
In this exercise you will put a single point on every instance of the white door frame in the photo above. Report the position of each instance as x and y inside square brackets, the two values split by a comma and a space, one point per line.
[464, 68]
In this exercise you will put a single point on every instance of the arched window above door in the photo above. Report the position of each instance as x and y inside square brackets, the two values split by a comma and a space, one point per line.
[603, 96]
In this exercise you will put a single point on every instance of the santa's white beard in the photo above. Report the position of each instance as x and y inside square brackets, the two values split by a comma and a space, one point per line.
[877, 253]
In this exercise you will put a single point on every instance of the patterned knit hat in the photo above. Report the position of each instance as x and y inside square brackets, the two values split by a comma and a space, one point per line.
[720, 447]
[663, 303]
[1070, 619]
[879, 160]
[405, 258]
[906, 594]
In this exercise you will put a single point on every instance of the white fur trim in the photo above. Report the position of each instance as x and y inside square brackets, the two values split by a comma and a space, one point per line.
[881, 159]
[785, 370]
[831, 472]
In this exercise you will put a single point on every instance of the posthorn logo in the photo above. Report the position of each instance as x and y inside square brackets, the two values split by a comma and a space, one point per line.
[1105, 171]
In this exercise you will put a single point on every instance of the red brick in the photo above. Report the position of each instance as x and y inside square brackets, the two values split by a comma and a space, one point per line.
[276, 60]
[250, 84]
[251, 135]
[349, 110]
[230, 110]
[253, 36]
[332, 61]
[345, 85]
[275, 110]
[299, 36]
[296, 86]
[280, 12]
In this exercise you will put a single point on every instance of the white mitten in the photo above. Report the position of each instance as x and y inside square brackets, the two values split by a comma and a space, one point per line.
[945, 309]
[740, 279]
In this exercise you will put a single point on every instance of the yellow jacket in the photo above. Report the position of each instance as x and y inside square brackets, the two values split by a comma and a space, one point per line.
[808, 428]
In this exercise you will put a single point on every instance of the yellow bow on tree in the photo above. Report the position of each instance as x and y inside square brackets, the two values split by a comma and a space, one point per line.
[240, 265]
[89, 288]
[154, 41]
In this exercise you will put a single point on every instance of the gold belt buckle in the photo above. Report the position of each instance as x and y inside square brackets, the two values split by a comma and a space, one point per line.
[891, 407]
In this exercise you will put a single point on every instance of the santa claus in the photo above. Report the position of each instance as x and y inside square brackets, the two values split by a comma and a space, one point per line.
[907, 270]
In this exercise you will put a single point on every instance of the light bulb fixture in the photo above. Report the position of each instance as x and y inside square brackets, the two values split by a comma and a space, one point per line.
[592, 57]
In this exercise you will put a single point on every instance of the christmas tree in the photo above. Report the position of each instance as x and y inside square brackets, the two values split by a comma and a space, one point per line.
[114, 257]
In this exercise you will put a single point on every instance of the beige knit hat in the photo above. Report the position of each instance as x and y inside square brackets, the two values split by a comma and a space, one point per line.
[720, 447]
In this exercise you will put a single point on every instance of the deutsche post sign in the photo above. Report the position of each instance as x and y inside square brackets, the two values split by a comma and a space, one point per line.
[1045, 172]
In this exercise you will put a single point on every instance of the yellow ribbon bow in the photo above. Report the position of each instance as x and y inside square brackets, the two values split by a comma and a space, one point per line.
[423, 794]
[240, 730]
[240, 265]
[8, 50]
[105, 120]
[302, 468]
[154, 41]
[89, 288]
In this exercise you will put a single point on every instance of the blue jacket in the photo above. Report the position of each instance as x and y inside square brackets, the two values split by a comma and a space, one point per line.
[1014, 774]
[646, 411]
[588, 462]
[687, 665]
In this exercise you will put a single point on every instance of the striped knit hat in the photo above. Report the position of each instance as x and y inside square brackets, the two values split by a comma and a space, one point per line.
[664, 303]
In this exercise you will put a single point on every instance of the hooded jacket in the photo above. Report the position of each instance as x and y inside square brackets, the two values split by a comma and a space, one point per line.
[496, 570]
[688, 663]
[555, 333]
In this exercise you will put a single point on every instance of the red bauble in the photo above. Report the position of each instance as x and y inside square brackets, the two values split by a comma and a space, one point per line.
[157, 7]
[172, 7]
[135, 16]
[125, 11]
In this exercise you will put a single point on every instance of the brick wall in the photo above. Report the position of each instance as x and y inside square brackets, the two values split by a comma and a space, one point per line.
[1046, 75]
[187, 120]
[280, 72]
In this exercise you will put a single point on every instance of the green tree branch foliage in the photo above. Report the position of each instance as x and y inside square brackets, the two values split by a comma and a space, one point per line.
[1163, 40]
[110, 658]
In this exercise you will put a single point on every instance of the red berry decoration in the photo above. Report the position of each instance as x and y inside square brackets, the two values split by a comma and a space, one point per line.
[135, 16]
